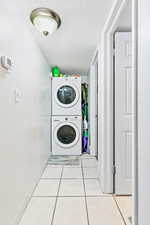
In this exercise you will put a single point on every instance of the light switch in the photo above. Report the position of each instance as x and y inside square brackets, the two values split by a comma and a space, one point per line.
[18, 95]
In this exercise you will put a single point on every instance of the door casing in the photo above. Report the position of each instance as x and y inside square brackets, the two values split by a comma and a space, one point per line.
[93, 105]
[105, 96]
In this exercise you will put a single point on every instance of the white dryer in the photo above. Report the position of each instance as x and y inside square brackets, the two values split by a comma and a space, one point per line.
[66, 135]
[66, 96]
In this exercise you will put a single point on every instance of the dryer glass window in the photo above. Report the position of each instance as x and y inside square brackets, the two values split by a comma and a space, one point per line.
[66, 134]
[66, 94]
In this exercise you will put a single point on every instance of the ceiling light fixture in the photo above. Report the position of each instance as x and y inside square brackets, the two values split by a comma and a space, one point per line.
[45, 20]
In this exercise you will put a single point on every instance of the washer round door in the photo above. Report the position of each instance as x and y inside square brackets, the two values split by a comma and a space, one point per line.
[67, 95]
[66, 135]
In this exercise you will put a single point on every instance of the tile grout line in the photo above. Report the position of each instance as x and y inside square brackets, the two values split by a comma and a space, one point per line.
[31, 196]
[68, 178]
[72, 196]
[88, 222]
[62, 179]
[52, 220]
[119, 209]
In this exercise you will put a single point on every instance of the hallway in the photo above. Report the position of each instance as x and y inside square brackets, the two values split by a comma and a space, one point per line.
[71, 195]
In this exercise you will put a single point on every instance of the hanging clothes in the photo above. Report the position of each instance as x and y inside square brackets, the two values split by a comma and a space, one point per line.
[85, 135]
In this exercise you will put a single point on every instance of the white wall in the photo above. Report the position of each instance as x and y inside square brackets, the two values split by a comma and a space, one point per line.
[143, 112]
[24, 126]
[124, 23]
[84, 79]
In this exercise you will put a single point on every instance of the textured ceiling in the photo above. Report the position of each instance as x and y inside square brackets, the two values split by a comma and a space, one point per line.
[73, 45]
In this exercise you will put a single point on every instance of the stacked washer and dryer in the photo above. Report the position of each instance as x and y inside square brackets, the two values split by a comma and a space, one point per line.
[66, 116]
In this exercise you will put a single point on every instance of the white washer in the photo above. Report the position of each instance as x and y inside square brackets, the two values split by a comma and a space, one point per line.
[66, 96]
[66, 135]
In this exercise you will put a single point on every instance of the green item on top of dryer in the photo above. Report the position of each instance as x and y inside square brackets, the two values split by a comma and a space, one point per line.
[55, 71]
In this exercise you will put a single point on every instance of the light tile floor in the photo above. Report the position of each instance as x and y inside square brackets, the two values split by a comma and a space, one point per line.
[125, 205]
[72, 195]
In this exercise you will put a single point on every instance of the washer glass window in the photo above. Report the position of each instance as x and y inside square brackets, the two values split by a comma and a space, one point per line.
[66, 134]
[66, 94]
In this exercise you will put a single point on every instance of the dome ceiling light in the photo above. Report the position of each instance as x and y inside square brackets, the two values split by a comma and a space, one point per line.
[45, 20]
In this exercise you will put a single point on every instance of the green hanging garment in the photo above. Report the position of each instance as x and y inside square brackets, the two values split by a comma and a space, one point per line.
[85, 136]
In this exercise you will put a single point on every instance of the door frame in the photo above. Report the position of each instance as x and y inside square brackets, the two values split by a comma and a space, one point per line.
[105, 96]
[92, 84]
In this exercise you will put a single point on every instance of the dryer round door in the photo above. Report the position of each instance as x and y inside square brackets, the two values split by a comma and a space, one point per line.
[66, 135]
[67, 95]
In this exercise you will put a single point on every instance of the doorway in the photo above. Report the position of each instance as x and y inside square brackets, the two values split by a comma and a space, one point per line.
[106, 110]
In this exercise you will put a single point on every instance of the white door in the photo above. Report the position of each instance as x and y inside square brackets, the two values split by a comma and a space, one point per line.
[123, 113]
